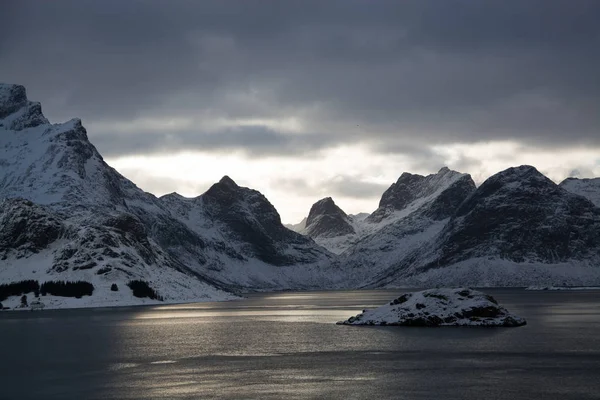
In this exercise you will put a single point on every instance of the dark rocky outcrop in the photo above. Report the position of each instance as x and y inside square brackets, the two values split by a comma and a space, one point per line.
[326, 219]
[27, 228]
[252, 220]
[16, 111]
[521, 215]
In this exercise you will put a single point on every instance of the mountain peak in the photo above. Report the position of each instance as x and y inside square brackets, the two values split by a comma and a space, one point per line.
[12, 98]
[325, 201]
[443, 190]
[226, 180]
[521, 177]
[16, 111]
[521, 170]
[327, 219]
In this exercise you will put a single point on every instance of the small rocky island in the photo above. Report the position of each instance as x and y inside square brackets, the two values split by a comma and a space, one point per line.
[439, 307]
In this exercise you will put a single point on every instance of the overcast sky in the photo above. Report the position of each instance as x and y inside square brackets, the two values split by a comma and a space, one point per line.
[307, 99]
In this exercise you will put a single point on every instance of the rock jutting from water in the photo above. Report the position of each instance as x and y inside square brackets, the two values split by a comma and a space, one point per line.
[439, 307]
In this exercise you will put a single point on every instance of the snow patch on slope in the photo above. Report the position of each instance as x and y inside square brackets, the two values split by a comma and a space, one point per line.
[588, 188]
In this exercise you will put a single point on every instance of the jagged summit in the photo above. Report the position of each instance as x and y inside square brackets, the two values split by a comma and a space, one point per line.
[326, 219]
[323, 206]
[12, 98]
[411, 191]
[16, 111]
[226, 180]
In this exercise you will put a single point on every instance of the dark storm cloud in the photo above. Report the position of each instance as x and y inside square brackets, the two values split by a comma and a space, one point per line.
[405, 74]
[252, 140]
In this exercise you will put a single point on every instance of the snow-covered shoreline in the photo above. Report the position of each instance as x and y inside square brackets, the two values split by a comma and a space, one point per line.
[69, 303]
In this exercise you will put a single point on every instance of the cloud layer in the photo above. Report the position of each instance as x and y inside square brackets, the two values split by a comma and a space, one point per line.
[298, 79]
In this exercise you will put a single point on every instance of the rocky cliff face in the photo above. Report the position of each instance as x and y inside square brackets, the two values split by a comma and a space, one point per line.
[326, 219]
[521, 215]
[413, 211]
[412, 191]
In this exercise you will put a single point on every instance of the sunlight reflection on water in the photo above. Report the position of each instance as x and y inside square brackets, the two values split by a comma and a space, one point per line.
[274, 346]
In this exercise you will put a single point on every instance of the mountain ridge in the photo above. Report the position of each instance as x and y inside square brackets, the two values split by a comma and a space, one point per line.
[67, 215]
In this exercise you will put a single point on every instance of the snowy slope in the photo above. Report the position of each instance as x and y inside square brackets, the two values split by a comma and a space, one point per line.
[588, 188]
[394, 233]
[89, 221]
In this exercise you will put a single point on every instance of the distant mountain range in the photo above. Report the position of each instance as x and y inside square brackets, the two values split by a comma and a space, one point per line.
[67, 215]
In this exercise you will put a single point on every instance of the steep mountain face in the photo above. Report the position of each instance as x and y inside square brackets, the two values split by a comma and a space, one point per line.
[588, 188]
[78, 218]
[521, 215]
[428, 202]
[326, 219]
[517, 228]
[16, 111]
[330, 227]
[412, 191]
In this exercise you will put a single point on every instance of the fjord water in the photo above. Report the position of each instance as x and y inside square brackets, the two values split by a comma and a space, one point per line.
[286, 345]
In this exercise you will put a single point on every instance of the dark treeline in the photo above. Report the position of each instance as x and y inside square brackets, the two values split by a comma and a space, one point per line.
[18, 288]
[55, 288]
[142, 289]
[67, 289]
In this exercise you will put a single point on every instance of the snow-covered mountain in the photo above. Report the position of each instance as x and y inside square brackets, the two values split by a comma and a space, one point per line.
[588, 188]
[326, 219]
[441, 193]
[411, 212]
[330, 226]
[434, 197]
[67, 215]
[247, 246]
[518, 228]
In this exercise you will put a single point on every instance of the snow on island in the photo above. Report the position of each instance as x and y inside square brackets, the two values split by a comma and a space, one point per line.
[439, 307]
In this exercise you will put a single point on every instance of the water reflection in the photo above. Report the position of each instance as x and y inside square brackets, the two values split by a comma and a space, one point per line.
[286, 345]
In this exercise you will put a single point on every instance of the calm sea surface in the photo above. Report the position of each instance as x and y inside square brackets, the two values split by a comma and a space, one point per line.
[287, 346]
